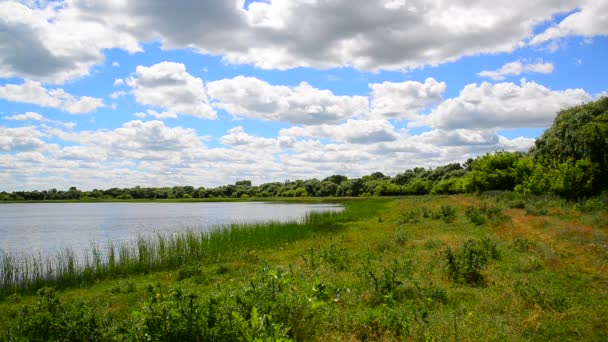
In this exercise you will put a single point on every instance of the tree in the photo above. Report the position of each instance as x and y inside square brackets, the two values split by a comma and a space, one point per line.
[494, 171]
[578, 133]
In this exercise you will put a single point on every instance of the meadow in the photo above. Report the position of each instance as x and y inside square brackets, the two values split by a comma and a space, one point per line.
[499, 266]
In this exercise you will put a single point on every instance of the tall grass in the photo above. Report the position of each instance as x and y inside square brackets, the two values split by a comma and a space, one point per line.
[27, 273]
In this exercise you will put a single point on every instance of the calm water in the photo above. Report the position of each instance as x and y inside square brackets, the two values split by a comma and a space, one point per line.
[48, 227]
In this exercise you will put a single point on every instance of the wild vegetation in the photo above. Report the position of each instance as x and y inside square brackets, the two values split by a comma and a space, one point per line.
[523, 259]
[500, 266]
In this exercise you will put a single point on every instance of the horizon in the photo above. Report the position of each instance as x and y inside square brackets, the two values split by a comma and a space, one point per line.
[100, 95]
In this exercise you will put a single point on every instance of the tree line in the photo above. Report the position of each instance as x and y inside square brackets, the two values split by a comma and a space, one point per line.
[569, 160]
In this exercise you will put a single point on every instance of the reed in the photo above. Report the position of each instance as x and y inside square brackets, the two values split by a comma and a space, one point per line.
[27, 273]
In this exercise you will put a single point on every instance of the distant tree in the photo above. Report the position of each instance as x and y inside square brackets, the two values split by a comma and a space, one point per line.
[494, 171]
[578, 133]
[336, 179]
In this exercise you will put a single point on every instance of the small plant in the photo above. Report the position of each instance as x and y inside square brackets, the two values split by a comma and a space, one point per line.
[123, 287]
[50, 319]
[486, 214]
[260, 328]
[448, 213]
[545, 297]
[475, 215]
[521, 244]
[427, 213]
[188, 271]
[465, 264]
[401, 237]
[336, 256]
[407, 217]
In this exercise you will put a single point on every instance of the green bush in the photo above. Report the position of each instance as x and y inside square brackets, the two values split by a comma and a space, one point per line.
[465, 264]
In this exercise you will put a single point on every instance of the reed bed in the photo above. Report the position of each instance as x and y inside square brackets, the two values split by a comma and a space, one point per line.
[159, 252]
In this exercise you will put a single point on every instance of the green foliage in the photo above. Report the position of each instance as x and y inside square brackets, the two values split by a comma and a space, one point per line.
[49, 319]
[486, 214]
[465, 264]
[497, 171]
[570, 179]
[579, 133]
[448, 213]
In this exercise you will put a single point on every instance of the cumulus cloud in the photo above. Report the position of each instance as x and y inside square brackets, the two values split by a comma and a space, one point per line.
[54, 42]
[404, 100]
[380, 34]
[591, 19]
[237, 137]
[169, 86]
[33, 92]
[253, 98]
[28, 116]
[502, 105]
[20, 139]
[517, 68]
[117, 94]
[59, 41]
[146, 137]
[33, 116]
[353, 131]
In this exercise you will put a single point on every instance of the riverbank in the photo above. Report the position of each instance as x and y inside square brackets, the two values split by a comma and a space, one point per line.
[430, 267]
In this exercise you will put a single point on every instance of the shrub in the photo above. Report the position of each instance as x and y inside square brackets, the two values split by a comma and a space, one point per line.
[465, 264]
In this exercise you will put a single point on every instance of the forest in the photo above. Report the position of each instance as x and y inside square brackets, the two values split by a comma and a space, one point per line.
[569, 160]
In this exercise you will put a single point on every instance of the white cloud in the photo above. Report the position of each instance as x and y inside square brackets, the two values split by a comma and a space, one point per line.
[378, 34]
[117, 94]
[353, 131]
[62, 40]
[118, 82]
[33, 116]
[115, 64]
[502, 105]
[517, 68]
[253, 98]
[237, 137]
[20, 139]
[28, 116]
[33, 92]
[54, 42]
[590, 20]
[404, 100]
[169, 86]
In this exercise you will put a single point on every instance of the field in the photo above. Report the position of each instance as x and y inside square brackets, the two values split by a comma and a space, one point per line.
[445, 268]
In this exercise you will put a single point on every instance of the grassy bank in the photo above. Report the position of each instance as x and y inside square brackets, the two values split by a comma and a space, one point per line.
[416, 268]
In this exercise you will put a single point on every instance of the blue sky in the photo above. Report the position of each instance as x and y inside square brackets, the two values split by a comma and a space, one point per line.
[154, 93]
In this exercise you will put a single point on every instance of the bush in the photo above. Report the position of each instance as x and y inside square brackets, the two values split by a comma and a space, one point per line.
[465, 264]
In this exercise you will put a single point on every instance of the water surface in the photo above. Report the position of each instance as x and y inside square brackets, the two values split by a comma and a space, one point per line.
[50, 227]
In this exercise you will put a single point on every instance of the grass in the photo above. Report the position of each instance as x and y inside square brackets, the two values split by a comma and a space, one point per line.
[23, 273]
[413, 268]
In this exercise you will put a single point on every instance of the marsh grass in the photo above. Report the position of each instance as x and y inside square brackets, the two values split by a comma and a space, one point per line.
[365, 280]
[27, 273]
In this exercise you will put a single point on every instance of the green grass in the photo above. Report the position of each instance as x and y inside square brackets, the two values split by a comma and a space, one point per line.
[367, 274]
[28, 273]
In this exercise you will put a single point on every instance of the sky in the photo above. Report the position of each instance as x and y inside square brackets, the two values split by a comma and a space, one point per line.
[117, 93]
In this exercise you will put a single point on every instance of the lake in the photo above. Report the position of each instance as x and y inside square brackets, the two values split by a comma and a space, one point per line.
[50, 227]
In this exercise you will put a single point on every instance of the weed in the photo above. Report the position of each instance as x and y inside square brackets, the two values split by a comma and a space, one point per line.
[465, 264]
[521, 244]
[401, 237]
[448, 213]
[475, 215]
[545, 297]
[408, 217]
[123, 287]
[486, 214]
